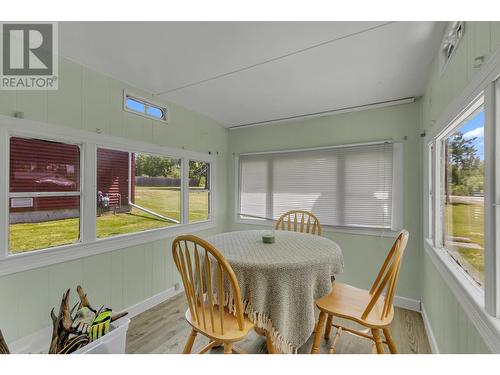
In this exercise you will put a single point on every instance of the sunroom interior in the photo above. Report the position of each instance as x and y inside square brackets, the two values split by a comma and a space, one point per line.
[379, 137]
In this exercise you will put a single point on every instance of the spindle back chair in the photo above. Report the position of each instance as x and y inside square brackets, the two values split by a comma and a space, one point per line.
[373, 309]
[299, 221]
[208, 279]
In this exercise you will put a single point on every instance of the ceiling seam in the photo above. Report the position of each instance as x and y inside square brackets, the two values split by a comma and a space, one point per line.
[273, 59]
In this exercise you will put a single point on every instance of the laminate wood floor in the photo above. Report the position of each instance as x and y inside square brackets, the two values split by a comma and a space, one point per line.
[163, 329]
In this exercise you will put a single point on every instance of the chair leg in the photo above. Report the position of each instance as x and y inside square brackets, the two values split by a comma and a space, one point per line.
[390, 341]
[228, 348]
[328, 327]
[317, 335]
[335, 340]
[378, 340]
[190, 341]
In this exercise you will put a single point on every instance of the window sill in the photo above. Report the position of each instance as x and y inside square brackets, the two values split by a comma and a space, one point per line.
[328, 228]
[468, 294]
[40, 258]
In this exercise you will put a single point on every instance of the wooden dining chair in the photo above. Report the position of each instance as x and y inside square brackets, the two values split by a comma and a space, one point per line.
[373, 309]
[204, 272]
[299, 221]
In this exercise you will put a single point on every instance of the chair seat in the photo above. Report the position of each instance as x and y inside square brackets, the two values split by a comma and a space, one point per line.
[348, 302]
[232, 332]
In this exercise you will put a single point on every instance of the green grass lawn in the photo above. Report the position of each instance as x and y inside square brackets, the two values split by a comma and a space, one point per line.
[467, 221]
[165, 201]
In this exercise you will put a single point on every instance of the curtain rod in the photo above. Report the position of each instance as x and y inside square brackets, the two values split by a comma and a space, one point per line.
[385, 141]
[363, 107]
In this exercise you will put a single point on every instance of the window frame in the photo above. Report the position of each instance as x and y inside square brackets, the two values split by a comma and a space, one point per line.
[481, 307]
[79, 193]
[438, 169]
[134, 151]
[89, 244]
[398, 156]
[147, 104]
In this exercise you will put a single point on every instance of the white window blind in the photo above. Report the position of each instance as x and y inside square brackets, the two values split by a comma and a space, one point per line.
[347, 186]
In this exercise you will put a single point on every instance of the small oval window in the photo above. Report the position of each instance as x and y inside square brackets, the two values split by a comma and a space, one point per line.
[155, 112]
[144, 107]
[135, 105]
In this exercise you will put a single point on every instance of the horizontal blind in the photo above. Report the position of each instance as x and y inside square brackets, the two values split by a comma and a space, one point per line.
[349, 186]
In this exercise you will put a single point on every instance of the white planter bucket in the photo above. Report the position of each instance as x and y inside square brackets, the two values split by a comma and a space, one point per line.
[111, 343]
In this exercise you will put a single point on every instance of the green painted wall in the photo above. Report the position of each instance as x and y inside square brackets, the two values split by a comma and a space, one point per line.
[88, 100]
[363, 254]
[454, 332]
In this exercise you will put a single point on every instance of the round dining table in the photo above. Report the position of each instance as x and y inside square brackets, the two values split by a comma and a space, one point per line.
[280, 281]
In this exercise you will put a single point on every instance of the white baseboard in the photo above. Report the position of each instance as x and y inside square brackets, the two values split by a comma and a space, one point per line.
[430, 332]
[38, 341]
[151, 302]
[407, 303]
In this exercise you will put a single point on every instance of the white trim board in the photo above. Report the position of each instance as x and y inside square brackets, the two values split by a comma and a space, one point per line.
[38, 341]
[40, 258]
[407, 303]
[430, 333]
[325, 228]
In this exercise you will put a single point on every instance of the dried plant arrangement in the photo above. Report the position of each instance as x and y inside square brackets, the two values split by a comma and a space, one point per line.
[76, 327]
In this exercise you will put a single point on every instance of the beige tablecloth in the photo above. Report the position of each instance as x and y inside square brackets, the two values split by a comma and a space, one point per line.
[279, 282]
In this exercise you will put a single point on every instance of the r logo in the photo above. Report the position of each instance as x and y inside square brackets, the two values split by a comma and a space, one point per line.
[29, 56]
[27, 49]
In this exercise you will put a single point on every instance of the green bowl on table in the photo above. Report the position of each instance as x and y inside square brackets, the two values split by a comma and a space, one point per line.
[268, 238]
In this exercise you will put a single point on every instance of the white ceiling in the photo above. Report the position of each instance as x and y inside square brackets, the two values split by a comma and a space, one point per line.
[245, 72]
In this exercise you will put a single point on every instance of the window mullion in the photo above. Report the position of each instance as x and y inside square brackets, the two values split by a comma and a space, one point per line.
[185, 190]
[492, 199]
[211, 195]
[88, 187]
[438, 157]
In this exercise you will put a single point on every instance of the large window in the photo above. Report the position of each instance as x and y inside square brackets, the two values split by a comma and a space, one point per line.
[462, 198]
[44, 194]
[96, 194]
[347, 186]
[136, 192]
[462, 193]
